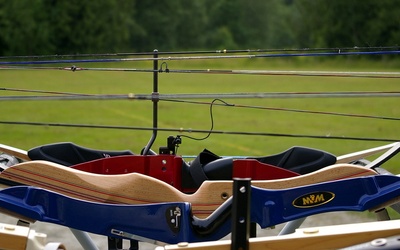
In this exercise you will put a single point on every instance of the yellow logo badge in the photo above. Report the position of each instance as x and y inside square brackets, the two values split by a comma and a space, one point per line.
[313, 199]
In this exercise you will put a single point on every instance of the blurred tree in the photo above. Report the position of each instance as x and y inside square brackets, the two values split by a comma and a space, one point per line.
[350, 23]
[91, 26]
[24, 28]
[74, 26]
[3, 27]
[191, 29]
[169, 25]
[251, 24]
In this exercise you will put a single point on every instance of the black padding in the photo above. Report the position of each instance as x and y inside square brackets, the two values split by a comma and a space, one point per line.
[196, 166]
[220, 169]
[196, 173]
[301, 160]
[209, 166]
[68, 153]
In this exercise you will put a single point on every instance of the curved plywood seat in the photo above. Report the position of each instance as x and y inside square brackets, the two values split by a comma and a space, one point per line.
[134, 188]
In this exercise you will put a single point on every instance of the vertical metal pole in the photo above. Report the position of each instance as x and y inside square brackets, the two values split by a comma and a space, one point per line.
[241, 214]
[382, 215]
[155, 99]
[291, 226]
[253, 229]
[84, 239]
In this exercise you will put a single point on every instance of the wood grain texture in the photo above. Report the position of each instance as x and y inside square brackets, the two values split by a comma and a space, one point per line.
[19, 153]
[327, 237]
[364, 153]
[134, 188]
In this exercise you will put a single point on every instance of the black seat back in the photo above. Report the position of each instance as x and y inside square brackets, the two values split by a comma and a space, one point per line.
[68, 153]
[209, 166]
[301, 160]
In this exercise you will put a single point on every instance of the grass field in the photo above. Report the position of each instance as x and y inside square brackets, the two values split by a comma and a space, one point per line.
[183, 115]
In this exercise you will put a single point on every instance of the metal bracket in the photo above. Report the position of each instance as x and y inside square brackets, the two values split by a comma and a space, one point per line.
[241, 213]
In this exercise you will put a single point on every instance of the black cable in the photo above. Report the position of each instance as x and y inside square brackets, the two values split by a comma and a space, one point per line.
[212, 121]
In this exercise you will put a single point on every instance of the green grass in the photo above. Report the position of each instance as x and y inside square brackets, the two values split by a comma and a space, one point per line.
[178, 115]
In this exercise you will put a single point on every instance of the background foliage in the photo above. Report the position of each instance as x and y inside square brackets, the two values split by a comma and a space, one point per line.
[74, 26]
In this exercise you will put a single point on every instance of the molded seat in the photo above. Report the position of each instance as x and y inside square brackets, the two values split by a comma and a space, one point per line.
[301, 160]
[68, 153]
[207, 165]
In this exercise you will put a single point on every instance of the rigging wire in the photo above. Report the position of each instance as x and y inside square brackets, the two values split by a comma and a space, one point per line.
[226, 104]
[293, 73]
[182, 130]
[73, 68]
[156, 96]
[291, 110]
[174, 58]
[316, 52]
[211, 130]
[217, 51]
[222, 71]
[44, 92]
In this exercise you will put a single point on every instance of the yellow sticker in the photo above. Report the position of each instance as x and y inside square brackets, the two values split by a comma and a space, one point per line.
[313, 199]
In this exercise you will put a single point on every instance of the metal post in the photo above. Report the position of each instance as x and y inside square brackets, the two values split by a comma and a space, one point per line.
[84, 239]
[382, 215]
[241, 213]
[291, 226]
[155, 100]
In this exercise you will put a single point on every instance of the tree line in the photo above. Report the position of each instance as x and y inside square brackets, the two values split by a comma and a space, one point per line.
[33, 27]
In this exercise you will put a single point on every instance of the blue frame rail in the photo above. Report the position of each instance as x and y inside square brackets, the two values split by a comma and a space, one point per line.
[173, 222]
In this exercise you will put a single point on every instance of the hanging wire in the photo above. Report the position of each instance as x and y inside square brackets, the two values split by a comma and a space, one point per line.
[211, 119]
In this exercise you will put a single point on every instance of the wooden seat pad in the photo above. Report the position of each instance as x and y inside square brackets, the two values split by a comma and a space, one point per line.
[134, 188]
